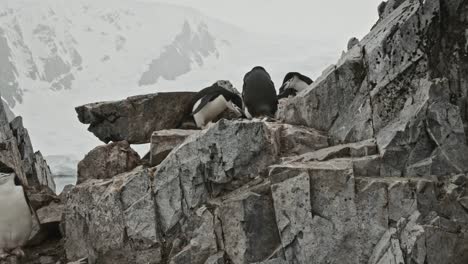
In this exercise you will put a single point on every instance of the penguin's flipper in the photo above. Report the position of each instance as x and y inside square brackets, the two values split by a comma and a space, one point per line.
[203, 101]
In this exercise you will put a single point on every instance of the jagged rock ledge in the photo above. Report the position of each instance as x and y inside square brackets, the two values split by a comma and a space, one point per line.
[135, 118]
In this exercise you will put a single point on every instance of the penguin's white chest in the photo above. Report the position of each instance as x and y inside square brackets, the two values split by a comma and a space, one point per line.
[299, 85]
[210, 111]
[15, 218]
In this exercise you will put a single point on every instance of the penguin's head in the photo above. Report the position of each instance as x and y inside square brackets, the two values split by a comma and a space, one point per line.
[295, 75]
[226, 85]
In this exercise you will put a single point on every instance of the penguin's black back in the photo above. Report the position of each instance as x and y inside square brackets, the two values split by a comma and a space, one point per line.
[302, 77]
[259, 93]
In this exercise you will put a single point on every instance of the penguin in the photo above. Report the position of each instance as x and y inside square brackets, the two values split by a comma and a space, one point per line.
[212, 101]
[259, 94]
[293, 83]
[15, 216]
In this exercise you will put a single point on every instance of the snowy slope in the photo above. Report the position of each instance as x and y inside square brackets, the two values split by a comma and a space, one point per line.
[58, 54]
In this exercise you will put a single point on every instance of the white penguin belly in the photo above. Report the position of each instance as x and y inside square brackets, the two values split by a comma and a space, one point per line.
[210, 111]
[300, 86]
[15, 218]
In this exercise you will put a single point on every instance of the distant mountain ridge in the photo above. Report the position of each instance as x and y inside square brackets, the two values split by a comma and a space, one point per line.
[54, 43]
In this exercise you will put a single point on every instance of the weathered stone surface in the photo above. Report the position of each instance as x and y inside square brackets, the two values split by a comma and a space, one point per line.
[104, 162]
[217, 160]
[19, 155]
[249, 232]
[113, 221]
[352, 150]
[321, 209]
[419, 240]
[202, 245]
[164, 141]
[428, 138]
[41, 174]
[296, 140]
[401, 87]
[51, 213]
[135, 118]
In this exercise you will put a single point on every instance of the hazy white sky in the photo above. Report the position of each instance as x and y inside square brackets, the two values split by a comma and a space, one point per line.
[316, 19]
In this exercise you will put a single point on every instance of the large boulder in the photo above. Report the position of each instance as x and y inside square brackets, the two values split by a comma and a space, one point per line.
[135, 118]
[104, 162]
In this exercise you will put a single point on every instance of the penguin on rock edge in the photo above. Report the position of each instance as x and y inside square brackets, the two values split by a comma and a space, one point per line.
[212, 101]
[259, 94]
[293, 83]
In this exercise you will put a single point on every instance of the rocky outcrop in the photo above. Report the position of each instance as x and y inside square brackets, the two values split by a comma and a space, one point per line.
[113, 221]
[393, 87]
[104, 162]
[17, 154]
[122, 120]
[164, 141]
[367, 166]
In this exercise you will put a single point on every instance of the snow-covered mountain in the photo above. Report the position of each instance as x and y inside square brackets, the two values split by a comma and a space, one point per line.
[58, 54]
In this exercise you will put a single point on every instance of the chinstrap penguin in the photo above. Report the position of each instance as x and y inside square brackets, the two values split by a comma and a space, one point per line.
[212, 101]
[15, 216]
[293, 83]
[259, 94]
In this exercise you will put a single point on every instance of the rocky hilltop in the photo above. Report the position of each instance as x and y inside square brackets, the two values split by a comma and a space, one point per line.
[368, 165]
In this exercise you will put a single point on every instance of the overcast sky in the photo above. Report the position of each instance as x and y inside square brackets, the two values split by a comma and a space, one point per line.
[336, 20]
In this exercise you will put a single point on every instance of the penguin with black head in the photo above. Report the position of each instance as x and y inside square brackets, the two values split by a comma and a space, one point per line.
[293, 83]
[259, 94]
[212, 101]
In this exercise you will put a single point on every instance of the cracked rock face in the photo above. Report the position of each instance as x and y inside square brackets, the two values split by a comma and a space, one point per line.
[122, 120]
[112, 221]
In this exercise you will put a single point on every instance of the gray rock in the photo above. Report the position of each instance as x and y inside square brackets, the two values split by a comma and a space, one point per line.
[51, 213]
[216, 259]
[41, 173]
[135, 118]
[352, 150]
[202, 245]
[113, 221]
[249, 232]
[164, 141]
[218, 160]
[104, 162]
[352, 43]
[296, 140]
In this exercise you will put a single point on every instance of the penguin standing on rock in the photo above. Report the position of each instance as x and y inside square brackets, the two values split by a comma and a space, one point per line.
[212, 101]
[293, 83]
[15, 216]
[259, 94]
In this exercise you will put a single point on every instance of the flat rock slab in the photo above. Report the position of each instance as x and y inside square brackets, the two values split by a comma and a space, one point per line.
[134, 119]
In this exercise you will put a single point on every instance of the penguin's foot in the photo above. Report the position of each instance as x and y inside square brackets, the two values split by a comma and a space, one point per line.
[18, 252]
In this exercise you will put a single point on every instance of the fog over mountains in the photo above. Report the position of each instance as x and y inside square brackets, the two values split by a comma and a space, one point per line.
[55, 55]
